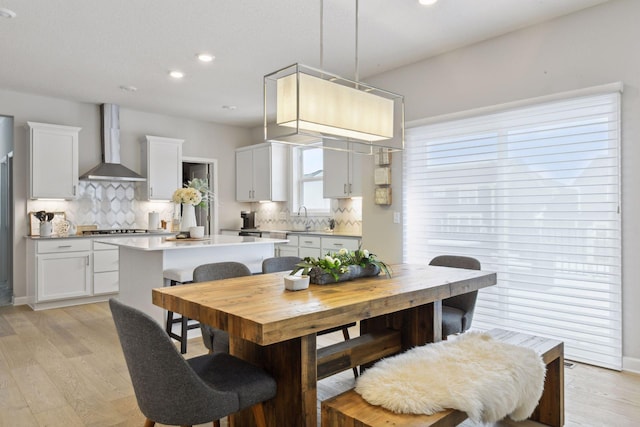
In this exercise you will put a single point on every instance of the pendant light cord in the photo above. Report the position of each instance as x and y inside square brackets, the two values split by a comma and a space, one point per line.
[321, 34]
[357, 57]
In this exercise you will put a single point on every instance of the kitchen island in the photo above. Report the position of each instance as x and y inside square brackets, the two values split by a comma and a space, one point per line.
[143, 260]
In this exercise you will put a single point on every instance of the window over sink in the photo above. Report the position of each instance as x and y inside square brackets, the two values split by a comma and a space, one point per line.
[308, 170]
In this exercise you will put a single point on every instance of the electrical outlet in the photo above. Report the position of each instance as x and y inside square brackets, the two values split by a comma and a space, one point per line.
[396, 217]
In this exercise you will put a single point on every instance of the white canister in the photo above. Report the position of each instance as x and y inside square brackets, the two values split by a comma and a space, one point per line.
[46, 228]
[196, 232]
[154, 220]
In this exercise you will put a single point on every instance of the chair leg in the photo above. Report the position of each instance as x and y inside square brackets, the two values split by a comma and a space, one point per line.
[258, 415]
[183, 334]
[345, 334]
[216, 423]
[149, 423]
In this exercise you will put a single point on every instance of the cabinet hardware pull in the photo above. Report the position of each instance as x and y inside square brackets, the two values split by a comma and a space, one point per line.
[150, 191]
[63, 246]
[350, 190]
[337, 244]
[87, 259]
[74, 190]
[344, 188]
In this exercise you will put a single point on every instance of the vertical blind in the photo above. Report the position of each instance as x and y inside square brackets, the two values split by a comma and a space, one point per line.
[534, 194]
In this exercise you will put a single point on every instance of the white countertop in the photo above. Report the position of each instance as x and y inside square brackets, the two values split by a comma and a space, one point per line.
[160, 243]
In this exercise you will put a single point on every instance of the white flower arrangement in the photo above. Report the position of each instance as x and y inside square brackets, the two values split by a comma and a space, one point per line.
[196, 192]
[188, 195]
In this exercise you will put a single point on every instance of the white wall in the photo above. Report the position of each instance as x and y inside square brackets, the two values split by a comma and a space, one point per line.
[588, 48]
[202, 139]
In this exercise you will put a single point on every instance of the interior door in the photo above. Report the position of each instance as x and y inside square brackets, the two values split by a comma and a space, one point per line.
[201, 171]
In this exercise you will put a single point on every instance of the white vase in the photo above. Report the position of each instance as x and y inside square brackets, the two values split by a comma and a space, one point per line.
[188, 217]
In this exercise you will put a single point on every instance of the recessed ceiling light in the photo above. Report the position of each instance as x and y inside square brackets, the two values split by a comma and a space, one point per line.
[6, 13]
[176, 74]
[427, 2]
[205, 57]
[129, 88]
[229, 107]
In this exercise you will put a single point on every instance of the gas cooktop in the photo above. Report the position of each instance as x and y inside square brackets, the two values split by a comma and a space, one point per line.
[115, 231]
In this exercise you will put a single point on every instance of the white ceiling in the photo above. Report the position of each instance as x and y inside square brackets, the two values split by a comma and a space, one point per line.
[84, 50]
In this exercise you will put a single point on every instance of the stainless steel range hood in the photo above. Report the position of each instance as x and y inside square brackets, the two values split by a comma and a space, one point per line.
[110, 169]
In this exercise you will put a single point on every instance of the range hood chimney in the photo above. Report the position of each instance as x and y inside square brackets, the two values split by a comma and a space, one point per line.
[110, 169]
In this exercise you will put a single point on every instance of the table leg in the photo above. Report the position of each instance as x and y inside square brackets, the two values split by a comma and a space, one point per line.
[293, 365]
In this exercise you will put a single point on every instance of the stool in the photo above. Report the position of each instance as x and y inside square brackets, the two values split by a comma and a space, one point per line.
[179, 276]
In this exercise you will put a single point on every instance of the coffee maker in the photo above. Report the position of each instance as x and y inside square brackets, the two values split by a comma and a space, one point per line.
[248, 219]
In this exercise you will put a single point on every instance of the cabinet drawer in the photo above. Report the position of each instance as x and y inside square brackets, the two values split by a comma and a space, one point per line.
[105, 260]
[97, 246]
[66, 245]
[334, 244]
[105, 283]
[309, 241]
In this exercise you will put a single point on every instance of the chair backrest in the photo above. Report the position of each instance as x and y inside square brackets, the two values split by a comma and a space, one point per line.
[219, 271]
[465, 302]
[283, 263]
[168, 391]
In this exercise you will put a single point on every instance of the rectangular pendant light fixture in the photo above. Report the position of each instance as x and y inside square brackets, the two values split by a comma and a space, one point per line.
[304, 105]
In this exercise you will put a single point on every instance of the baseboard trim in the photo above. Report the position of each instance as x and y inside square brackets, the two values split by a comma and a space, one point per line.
[20, 300]
[631, 364]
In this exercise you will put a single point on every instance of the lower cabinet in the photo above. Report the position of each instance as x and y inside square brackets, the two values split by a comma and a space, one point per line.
[314, 245]
[70, 271]
[63, 275]
[309, 246]
[105, 269]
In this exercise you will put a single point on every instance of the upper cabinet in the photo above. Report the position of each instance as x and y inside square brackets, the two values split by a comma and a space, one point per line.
[53, 161]
[162, 166]
[342, 177]
[261, 173]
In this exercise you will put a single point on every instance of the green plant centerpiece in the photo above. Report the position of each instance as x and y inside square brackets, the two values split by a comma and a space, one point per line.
[341, 266]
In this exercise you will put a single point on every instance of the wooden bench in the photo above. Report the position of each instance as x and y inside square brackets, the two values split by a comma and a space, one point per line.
[349, 409]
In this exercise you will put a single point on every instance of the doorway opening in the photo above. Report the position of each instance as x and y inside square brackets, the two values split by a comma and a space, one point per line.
[205, 169]
[6, 210]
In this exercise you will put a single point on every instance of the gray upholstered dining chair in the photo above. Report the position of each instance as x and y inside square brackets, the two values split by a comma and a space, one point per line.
[282, 263]
[217, 340]
[275, 264]
[457, 311]
[172, 390]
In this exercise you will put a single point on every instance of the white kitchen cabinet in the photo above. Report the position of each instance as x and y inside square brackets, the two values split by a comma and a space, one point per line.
[334, 244]
[63, 269]
[342, 176]
[288, 249]
[261, 173]
[105, 269]
[162, 166]
[309, 246]
[53, 161]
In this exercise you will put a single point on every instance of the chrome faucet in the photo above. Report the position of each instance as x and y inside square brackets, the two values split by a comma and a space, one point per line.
[307, 227]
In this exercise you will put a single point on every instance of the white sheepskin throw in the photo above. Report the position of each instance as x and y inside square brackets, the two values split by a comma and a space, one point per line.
[474, 373]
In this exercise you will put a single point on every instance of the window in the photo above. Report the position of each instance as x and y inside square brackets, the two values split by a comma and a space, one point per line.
[533, 194]
[308, 175]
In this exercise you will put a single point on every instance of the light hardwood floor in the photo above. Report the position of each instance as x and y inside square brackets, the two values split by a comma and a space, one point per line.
[64, 367]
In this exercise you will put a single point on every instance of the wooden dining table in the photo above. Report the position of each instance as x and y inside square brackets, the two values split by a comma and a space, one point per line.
[276, 329]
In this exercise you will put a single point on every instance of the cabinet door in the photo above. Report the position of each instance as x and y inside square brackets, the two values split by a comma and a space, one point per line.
[106, 283]
[335, 178]
[53, 161]
[65, 275]
[308, 252]
[244, 175]
[164, 173]
[262, 173]
[355, 174]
